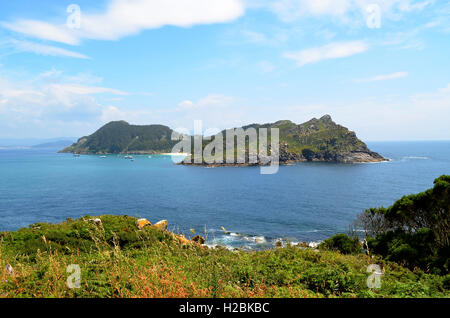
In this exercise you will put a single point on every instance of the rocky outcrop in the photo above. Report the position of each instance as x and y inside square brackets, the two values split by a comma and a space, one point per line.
[162, 225]
[141, 223]
[96, 221]
[318, 140]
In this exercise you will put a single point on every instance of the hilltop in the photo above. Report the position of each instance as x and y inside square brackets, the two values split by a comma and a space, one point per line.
[316, 140]
[120, 137]
[319, 140]
[322, 140]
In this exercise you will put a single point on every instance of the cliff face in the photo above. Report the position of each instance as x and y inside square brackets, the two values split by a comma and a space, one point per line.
[316, 140]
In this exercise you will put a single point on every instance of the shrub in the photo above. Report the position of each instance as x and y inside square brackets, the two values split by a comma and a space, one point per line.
[343, 244]
[332, 281]
[415, 230]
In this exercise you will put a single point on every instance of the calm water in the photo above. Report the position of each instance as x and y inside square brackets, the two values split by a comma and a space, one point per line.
[306, 201]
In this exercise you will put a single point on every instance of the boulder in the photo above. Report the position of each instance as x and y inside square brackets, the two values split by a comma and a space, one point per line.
[162, 225]
[313, 244]
[96, 221]
[303, 245]
[183, 240]
[141, 223]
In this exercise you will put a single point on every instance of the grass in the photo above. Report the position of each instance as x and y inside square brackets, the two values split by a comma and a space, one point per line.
[117, 260]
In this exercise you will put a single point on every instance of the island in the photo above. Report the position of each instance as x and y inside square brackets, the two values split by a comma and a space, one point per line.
[119, 137]
[317, 140]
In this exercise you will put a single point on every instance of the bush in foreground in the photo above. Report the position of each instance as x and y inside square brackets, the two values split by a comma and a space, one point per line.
[415, 230]
[343, 244]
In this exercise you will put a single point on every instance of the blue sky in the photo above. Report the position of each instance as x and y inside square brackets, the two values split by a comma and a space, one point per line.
[226, 62]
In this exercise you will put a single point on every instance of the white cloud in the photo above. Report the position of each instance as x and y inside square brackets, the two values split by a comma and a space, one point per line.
[409, 39]
[330, 51]
[127, 17]
[383, 77]
[217, 111]
[266, 67]
[85, 90]
[239, 34]
[133, 116]
[254, 37]
[50, 102]
[41, 49]
[112, 113]
[445, 90]
[417, 117]
[290, 10]
[43, 30]
[12, 93]
[209, 101]
[408, 6]
[186, 104]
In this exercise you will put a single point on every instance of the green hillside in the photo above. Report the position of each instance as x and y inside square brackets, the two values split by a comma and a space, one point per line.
[316, 140]
[121, 137]
[320, 140]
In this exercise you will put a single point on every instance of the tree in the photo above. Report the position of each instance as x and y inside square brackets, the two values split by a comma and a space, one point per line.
[415, 230]
[343, 244]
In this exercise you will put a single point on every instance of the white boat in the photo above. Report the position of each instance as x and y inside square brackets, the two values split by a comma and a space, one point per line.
[102, 156]
[76, 154]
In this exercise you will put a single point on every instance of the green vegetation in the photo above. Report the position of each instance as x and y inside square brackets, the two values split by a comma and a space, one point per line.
[316, 140]
[121, 137]
[408, 241]
[118, 260]
[343, 244]
[415, 230]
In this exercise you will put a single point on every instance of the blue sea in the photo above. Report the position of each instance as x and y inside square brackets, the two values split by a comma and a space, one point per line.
[302, 202]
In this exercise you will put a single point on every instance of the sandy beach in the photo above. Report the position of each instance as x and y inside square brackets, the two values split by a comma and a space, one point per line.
[175, 154]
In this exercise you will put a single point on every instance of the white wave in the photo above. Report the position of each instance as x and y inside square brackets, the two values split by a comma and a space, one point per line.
[417, 157]
[407, 158]
[313, 244]
[259, 239]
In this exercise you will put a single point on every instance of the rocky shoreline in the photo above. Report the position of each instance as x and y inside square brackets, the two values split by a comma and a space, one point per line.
[292, 158]
[285, 158]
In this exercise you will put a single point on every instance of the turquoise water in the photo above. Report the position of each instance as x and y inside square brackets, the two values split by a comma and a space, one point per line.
[302, 202]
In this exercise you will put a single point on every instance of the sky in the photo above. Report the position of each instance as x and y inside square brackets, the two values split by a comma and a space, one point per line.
[379, 67]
